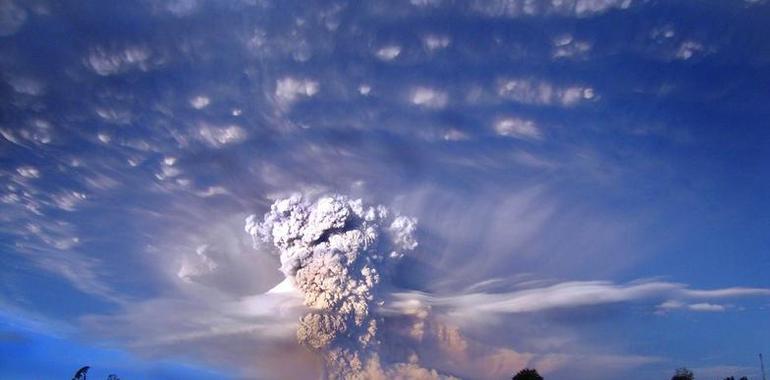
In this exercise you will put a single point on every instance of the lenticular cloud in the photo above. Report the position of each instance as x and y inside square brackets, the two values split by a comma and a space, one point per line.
[337, 253]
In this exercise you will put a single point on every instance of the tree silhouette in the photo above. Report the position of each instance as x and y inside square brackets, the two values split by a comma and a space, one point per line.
[528, 374]
[683, 374]
[81, 373]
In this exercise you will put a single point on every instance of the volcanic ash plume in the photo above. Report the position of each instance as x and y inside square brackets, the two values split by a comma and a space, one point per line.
[337, 252]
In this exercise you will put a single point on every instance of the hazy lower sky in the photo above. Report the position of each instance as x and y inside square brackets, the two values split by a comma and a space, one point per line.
[590, 177]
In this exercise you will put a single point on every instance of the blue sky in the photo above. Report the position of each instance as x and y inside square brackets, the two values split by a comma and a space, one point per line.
[598, 168]
[37, 352]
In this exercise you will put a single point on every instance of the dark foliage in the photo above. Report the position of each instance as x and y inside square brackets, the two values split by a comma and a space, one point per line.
[528, 374]
[81, 373]
[683, 374]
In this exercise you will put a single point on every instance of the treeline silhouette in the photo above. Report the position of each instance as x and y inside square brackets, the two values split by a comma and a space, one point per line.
[524, 374]
[686, 374]
[82, 374]
[679, 374]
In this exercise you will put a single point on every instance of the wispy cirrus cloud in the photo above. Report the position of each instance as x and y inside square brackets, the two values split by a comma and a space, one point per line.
[570, 295]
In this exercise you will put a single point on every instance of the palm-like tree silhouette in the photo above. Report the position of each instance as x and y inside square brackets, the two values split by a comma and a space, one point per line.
[81, 373]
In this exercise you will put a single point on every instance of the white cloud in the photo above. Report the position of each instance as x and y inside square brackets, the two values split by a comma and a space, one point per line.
[517, 128]
[529, 91]
[425, 3]
[289, 89]
[68, 200]
[106, 63]
[433, 42]
[218, 136]
[197, 265]
[200, 102]
[167, 169]
[81, 271]
[57, 235]
[210, 320]
[590, 7]
[572, 295]
[12, 17]
[522, 8]
[726, 292]
[455, 135]
[706, 307]
[181, 8]
[28, 171]
[566, 46]
[104, 138]
[388, 53]
[212, 191]
[114, 115]
[428, 97]
[662, 33]
[563, 40]
[531, 160]
[26, 85]
[38, 131]
[671, 304]
[688, 49]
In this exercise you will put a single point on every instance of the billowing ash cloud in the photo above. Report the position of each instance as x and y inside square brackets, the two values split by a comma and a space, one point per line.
[338, 253]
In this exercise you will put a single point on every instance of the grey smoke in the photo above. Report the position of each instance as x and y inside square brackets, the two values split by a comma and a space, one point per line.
[338, 254]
